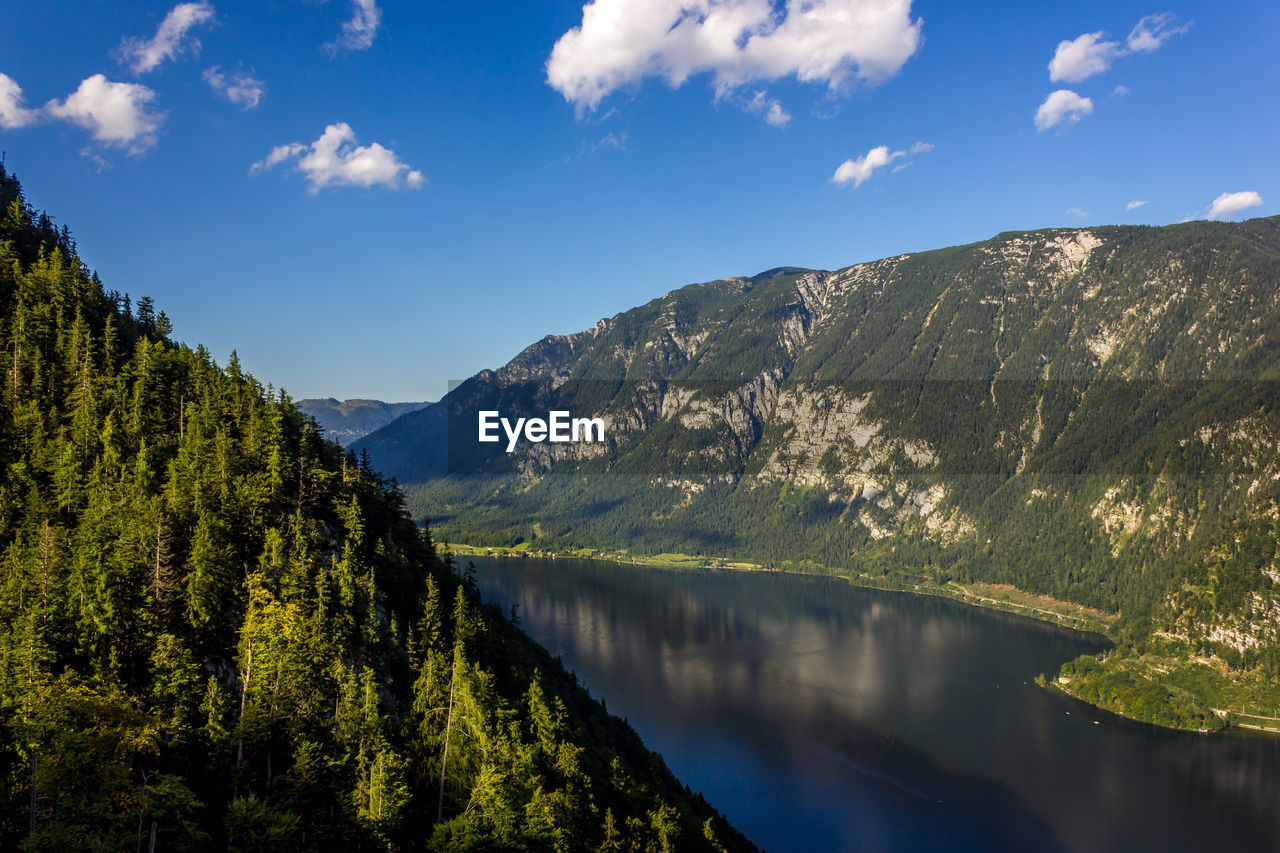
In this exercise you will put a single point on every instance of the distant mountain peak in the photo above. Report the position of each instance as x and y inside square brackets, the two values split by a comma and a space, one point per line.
[349, 420]
[779, 272]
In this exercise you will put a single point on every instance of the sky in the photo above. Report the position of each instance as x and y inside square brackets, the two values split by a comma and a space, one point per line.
[370, 198]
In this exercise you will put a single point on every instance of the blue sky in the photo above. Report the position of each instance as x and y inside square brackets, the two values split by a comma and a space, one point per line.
[369, 198]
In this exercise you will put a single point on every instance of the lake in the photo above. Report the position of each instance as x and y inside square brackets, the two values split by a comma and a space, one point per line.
[819, 716]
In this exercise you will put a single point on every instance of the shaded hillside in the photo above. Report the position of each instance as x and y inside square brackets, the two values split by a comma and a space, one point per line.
[220, 631]
[349, 420]
[1089, 414]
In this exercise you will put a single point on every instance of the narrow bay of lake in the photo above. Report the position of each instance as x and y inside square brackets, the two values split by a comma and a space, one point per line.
[819, 716]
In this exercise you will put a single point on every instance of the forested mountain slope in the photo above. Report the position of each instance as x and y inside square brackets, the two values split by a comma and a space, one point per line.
[1087, 414]
[219, 631]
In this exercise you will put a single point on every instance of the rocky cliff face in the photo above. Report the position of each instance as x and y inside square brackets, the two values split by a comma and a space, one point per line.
[1086, 413]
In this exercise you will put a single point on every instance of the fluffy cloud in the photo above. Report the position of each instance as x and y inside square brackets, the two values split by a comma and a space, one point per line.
[336, 160]
[1062, 106]
[621, 42]
[1229, 204]
[858, 171]
[171, 38]
[1082, 58]
[1089, 54]
[359, 32]
[12, 112]
[1151, 32]
[771, 108]
[115, 114]
[243, 90]
[1135, 204]
[278, 155]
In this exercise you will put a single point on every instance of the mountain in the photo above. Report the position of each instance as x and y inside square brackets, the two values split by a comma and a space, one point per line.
[1065, 421]
[220, 631]
[349, 420]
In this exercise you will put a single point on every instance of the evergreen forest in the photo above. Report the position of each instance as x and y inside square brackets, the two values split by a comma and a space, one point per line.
[219, 630]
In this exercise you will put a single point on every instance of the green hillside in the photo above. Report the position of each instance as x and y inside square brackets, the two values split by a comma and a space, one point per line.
[1085, 415]
[219, 631]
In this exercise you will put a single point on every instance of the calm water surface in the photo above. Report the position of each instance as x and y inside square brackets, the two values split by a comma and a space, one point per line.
[819, 716]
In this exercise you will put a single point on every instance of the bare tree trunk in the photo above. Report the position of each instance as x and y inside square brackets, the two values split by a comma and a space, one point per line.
[35, 791]
[244, 693]
[448, 724]
[46, 561]
[155, 578]
[16, 375]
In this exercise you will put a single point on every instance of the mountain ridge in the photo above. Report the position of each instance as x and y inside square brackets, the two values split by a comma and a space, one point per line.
[1086, 400]
[346, 421]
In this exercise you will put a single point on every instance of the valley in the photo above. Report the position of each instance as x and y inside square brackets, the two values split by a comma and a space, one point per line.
[1085, 415]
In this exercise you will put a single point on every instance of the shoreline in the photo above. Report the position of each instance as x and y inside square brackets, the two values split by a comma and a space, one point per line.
[1231, 719]
[1071, 617]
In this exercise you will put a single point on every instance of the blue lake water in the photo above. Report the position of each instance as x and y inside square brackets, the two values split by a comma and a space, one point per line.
[819, 716]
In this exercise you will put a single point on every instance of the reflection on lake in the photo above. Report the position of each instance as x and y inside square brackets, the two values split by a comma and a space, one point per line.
[819, 716]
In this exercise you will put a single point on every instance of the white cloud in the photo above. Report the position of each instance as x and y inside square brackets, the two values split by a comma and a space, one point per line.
[12, 113]
[241, 89]
[1089, 54]
[114, 113]
[1151, 32]
[171, 38]
[1120, 90]
[621, 42]
[1135, 204]
[857, 171]
[336, 160]
[1062, 106]
[771, 108]
[1229, 204]
[1075, 211]
[359, 32]
[277, 156]
[1082, 58]
[616, 141]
